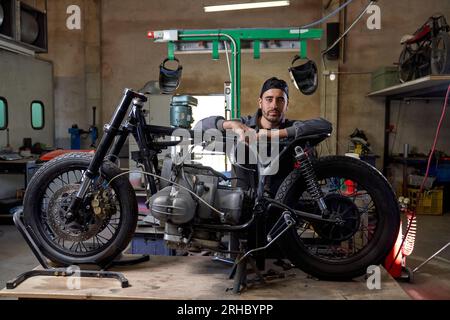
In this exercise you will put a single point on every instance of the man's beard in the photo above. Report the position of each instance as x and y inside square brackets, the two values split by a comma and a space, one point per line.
[276, 119]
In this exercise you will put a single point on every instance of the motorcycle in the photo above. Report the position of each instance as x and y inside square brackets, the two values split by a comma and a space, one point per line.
[332, 216]
[427, 51]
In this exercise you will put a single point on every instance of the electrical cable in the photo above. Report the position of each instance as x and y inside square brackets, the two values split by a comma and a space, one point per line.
[327, 16]
[411, 222]
[345, 33]
[312, 24]
[228, 59]
[349, 28]
[167, 180]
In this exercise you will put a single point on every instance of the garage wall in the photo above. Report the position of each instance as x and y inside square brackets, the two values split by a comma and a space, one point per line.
[128, 59]
[76, 57]
[23, 80]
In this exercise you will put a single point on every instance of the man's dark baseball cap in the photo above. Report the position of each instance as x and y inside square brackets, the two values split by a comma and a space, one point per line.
[274, 83]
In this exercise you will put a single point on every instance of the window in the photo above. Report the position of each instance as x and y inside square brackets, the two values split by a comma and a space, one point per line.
[212, 105]
[3, 113]
[37, 115]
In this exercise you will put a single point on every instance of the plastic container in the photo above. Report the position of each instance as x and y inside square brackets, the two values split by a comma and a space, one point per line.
[443, 172]
[384, 77]
[430, 202]
[151, 244]
[416, 181]
[136, 180]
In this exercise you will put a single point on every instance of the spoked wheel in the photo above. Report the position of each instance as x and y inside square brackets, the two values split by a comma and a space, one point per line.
[365, 213]
[423, 61]
[440, 59]
[102, 227]
[406, 64]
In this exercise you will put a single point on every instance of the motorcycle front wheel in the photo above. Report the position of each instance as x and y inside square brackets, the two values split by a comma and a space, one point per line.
[406, 64]
[362, 200]
[101, 229]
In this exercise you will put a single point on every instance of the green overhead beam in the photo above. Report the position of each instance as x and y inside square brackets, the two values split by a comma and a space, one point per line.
[235, 37]
[215, 49]
[256, 49]
[170, 50]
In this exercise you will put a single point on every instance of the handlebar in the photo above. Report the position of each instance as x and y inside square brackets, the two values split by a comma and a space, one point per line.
[168, 131]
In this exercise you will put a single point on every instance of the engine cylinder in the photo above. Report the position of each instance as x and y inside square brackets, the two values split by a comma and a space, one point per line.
[175, 206]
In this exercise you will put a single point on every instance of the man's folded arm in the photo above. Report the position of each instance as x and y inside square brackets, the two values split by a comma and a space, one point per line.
[308, 127]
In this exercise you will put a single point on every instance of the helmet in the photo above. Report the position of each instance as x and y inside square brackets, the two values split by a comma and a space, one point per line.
[304, 76]
[169, 80]
[2, 14]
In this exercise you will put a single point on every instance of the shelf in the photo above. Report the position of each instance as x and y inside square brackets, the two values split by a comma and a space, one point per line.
[418, 160]
[427, 87]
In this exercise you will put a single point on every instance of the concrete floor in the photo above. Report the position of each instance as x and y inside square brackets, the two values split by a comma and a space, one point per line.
[431, 282]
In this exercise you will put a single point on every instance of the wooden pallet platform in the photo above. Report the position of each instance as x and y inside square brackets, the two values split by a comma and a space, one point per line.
[198, 277]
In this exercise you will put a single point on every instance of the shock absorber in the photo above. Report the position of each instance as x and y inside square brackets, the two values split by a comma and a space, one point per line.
[308, 174]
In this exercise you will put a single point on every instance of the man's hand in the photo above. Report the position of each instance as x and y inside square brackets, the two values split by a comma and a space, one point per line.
[239, 128]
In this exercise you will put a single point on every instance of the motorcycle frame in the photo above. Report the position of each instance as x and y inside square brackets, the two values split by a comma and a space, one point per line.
[116, 134]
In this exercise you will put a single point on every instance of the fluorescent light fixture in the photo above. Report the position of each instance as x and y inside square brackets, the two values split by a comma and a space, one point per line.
[242, 6]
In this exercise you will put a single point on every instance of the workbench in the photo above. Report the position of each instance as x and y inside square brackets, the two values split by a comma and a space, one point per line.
[198, 277]
[19, 167]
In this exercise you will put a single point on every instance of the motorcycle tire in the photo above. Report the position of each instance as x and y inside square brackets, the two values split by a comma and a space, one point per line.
[42, 226]
[406, 64]
[440, 57]
[300, 250]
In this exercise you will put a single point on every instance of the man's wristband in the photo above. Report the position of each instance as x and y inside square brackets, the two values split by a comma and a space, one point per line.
[219, 124]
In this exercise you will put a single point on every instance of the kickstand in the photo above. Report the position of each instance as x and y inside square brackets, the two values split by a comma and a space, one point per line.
[239, 271]
[64, 272]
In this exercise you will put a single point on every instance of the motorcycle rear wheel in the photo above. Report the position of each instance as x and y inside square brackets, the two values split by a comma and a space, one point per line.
[341, 253]
[440, 56]
[101, 236]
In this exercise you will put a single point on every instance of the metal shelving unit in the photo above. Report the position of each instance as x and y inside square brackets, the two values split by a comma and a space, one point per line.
[429, 87]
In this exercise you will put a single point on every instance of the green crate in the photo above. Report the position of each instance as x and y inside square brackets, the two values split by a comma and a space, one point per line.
[384, 77]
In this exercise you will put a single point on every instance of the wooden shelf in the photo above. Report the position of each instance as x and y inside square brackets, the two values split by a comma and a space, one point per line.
[432, 86]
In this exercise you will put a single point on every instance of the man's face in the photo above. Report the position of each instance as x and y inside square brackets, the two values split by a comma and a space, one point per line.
[273, 104]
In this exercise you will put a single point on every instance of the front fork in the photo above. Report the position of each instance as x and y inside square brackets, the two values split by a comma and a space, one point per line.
[312, 185]
[111, 131]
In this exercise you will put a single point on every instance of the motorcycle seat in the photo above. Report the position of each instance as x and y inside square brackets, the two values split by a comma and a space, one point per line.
[420, 35]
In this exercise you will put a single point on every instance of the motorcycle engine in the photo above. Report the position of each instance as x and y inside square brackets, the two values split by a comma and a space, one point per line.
[180, 211]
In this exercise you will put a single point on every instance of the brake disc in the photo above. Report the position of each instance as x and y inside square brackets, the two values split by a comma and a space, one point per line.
[73, 231]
